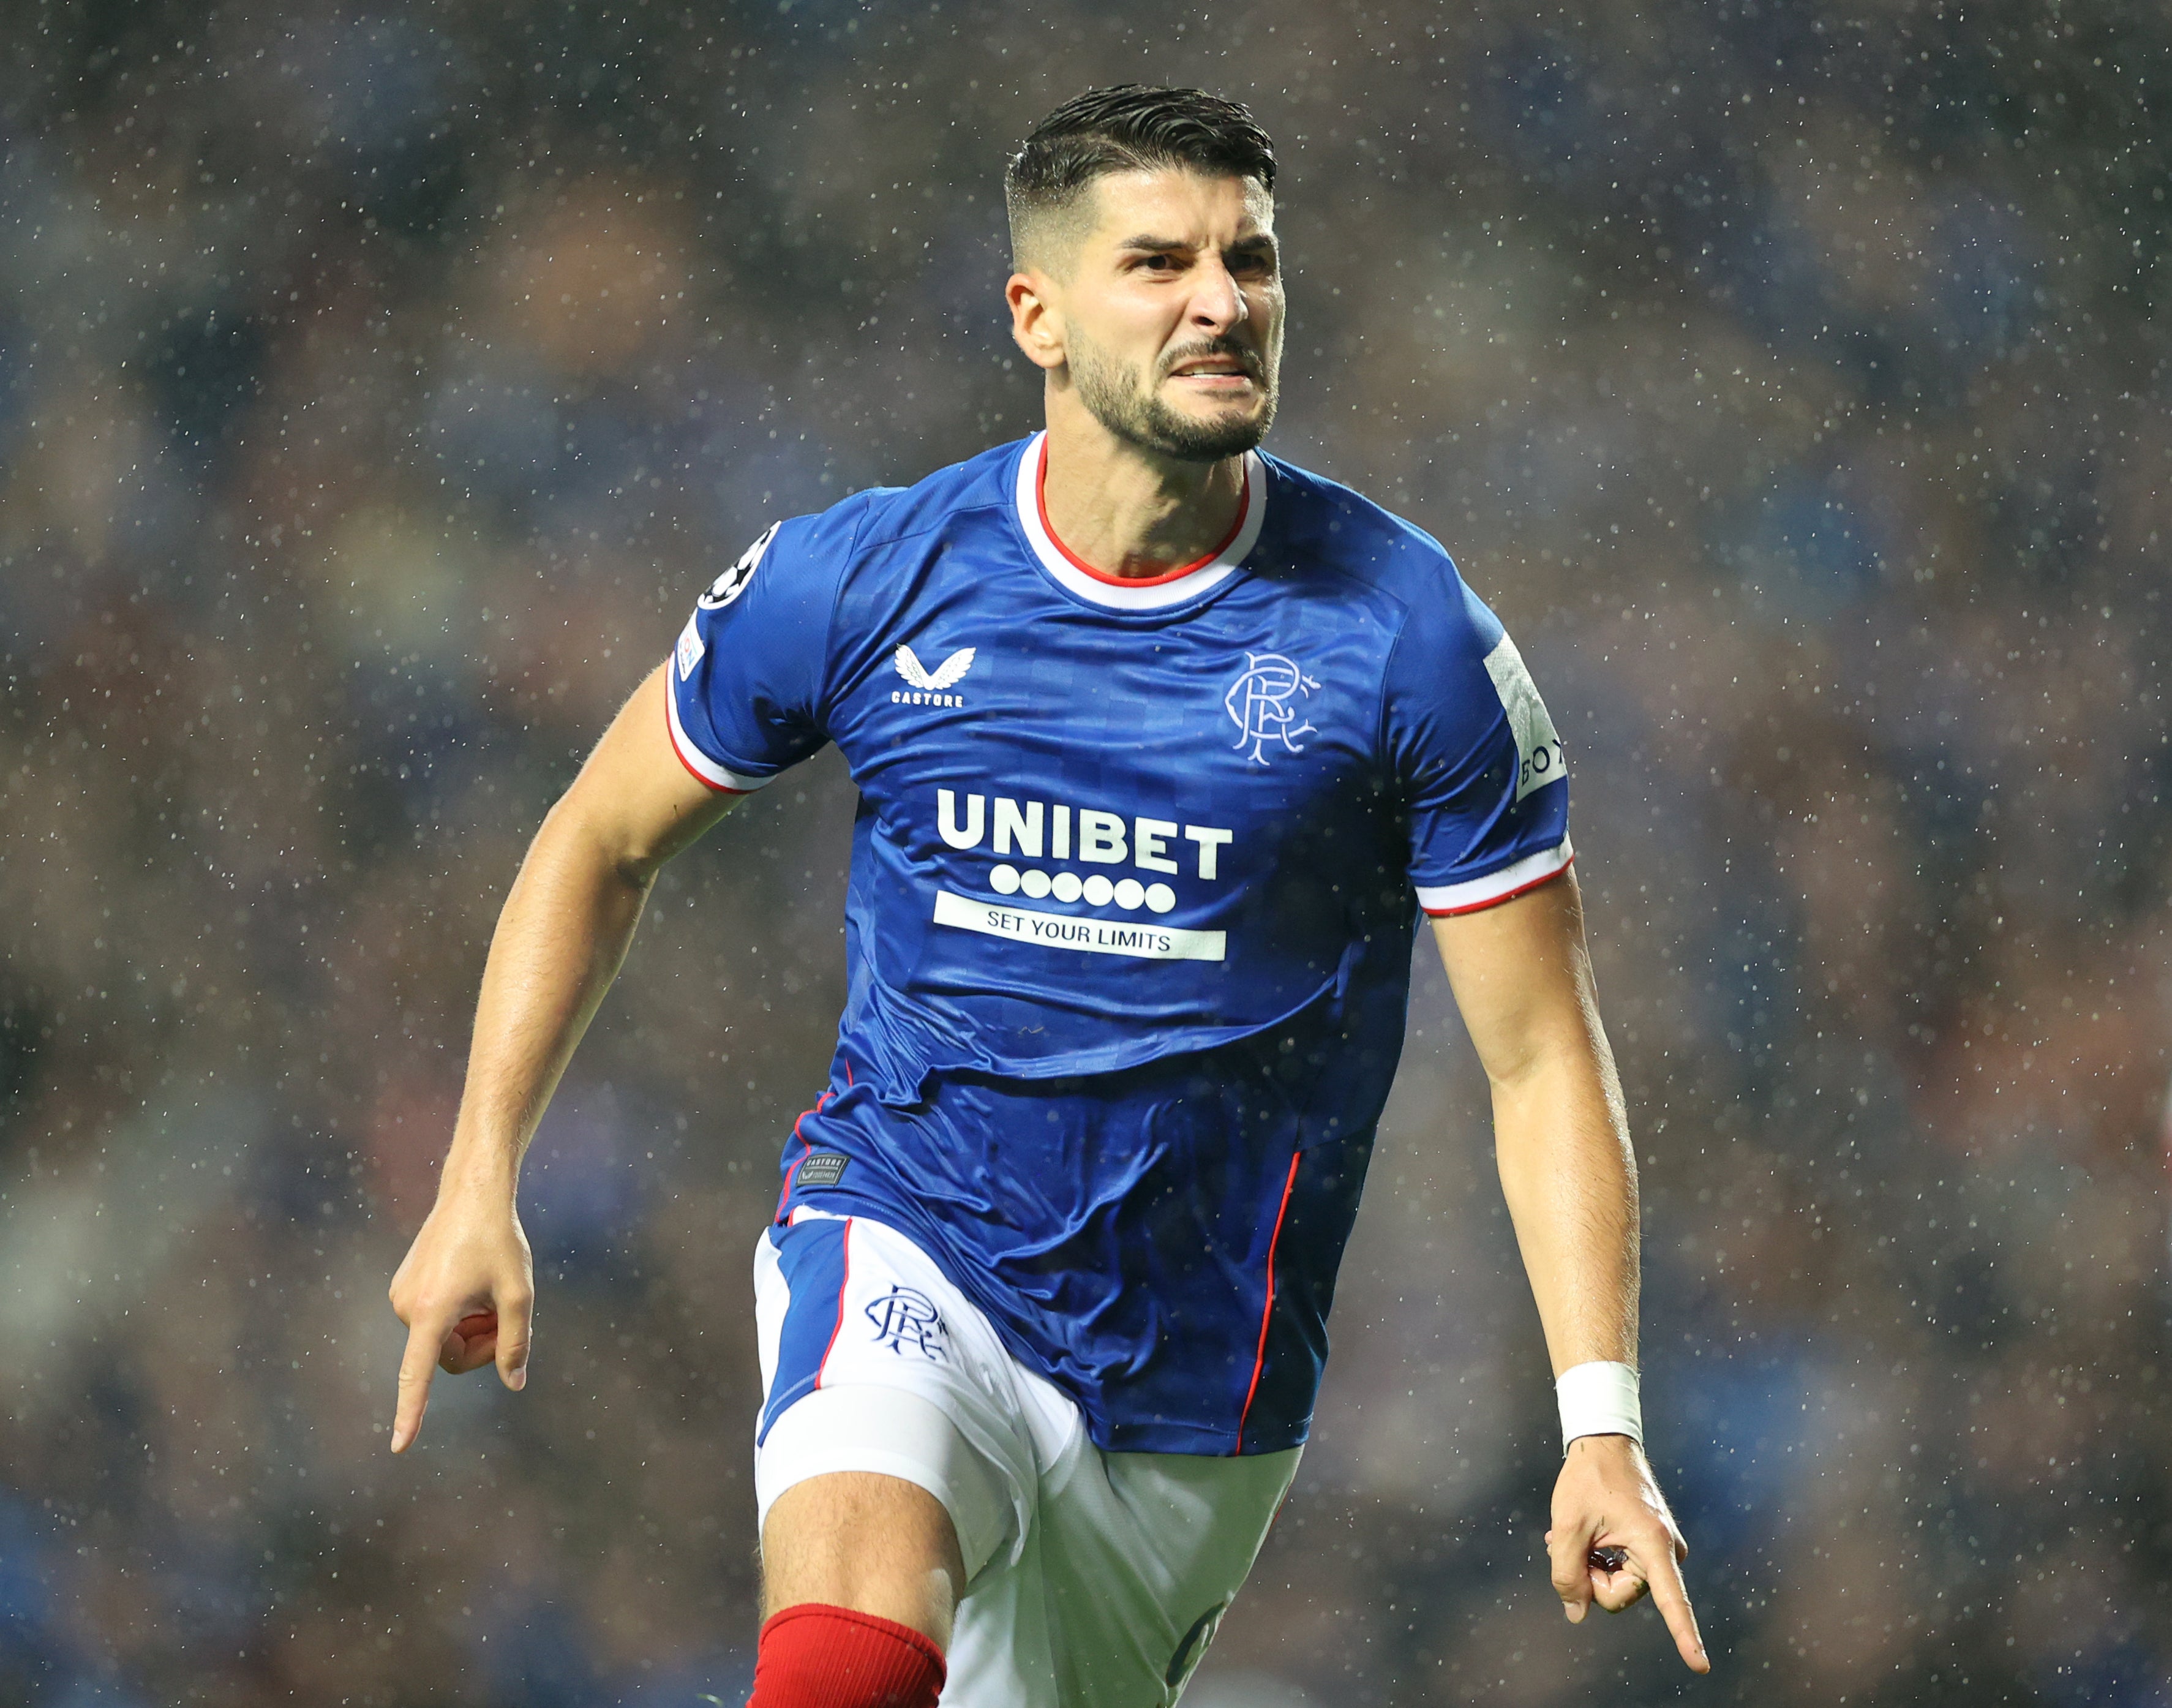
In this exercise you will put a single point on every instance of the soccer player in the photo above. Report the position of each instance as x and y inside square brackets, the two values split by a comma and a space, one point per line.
[1164, 746]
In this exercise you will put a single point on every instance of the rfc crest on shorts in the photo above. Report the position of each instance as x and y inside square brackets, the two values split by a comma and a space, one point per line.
[1262, 703]
[905, 1317]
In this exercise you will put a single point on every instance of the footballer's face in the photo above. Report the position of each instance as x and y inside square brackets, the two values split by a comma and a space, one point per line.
[1169, 312]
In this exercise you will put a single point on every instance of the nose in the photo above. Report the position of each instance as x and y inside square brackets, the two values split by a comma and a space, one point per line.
[1217, 303]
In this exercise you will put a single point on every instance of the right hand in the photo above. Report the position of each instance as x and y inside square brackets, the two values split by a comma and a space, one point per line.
[1607, 1498]
[466, 1290]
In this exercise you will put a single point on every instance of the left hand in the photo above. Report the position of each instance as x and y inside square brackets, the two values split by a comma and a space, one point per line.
[1606, 1497]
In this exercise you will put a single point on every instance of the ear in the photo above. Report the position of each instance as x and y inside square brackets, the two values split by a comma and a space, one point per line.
[1036, 323]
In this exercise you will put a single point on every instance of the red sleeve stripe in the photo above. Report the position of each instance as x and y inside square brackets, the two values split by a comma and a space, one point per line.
[717, 776]
[1443, 899]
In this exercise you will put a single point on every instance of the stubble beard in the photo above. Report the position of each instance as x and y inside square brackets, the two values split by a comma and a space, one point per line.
[1115, 395]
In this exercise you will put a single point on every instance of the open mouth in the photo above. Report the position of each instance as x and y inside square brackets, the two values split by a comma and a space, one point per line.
[1215, 373]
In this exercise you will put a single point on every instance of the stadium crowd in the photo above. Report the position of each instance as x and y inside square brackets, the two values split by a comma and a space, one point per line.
[377, 389]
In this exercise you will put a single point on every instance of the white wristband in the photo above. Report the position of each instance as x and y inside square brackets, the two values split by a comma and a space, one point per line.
[1600, 1400]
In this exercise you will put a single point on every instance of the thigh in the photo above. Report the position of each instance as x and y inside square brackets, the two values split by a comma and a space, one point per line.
[1080, 1579]
[1141, 1553]
[878, 1545]
[873, 1366]
[1000, 1653]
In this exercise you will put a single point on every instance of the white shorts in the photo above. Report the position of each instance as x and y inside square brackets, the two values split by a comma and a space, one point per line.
[1093, 1579]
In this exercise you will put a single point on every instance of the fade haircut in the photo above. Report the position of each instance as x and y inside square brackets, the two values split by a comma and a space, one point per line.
[1131, 127]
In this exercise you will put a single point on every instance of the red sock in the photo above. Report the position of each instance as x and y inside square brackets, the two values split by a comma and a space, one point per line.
[817, 1656]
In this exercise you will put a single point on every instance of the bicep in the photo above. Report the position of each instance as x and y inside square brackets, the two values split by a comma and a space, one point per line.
[635, 796]
[1522, 976]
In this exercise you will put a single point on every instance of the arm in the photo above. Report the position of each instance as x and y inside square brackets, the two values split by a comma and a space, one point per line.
[467, 1289]
[1522, 977]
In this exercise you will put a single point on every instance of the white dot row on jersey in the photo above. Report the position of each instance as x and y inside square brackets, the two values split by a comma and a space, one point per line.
[1126, 892]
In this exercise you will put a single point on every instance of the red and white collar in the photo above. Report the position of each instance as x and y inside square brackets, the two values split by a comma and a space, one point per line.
[1120, 593]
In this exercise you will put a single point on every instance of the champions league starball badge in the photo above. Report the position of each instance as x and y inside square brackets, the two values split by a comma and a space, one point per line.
[732, 582]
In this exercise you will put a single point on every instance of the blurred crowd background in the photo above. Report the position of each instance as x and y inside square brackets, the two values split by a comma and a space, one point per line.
[378, 389]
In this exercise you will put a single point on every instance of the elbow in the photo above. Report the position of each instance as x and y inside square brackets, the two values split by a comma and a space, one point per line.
[1536, 1059]
[574, 834]
[1568, 1041]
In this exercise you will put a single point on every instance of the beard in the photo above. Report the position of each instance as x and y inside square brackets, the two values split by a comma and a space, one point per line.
[1117, 396]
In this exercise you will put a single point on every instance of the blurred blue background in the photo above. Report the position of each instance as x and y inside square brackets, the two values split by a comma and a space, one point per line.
[377, 389]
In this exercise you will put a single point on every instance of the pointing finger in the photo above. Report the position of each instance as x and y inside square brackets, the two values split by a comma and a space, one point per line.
[415, 1368]
[1673, 1601]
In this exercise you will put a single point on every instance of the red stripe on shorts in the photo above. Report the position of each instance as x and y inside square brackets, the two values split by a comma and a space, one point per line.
[843, 1286]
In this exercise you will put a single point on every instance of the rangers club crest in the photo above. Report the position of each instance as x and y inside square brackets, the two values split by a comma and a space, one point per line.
[906, 1317]
[1261, 704]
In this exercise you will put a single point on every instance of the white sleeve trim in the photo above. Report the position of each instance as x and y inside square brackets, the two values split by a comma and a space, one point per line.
[1474, 893]
[707, 769]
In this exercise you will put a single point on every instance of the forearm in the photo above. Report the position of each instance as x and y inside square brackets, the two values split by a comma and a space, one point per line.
[563, 933]
[467, 1289]
[1569, 1175]
[1570, 1180]
[1523, 979]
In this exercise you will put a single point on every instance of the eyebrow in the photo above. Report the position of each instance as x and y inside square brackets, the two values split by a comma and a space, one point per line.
[1145, 244]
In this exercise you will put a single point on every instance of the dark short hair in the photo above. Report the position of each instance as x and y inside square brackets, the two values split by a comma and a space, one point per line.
[1132, 127]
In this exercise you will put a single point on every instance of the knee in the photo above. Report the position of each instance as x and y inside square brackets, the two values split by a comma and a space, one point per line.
[816, 1656]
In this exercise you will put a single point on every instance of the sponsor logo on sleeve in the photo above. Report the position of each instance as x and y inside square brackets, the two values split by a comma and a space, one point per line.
[689, 648]
[1541, 759]
[1262, 703]
[732, 582]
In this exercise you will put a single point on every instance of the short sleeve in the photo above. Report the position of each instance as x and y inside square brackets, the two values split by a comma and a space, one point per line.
[747, 674]
[1484, 782]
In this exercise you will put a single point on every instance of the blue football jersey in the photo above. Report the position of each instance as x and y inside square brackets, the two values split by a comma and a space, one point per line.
[1136, 874]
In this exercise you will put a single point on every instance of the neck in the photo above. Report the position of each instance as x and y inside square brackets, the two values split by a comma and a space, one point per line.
[1129, 512]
